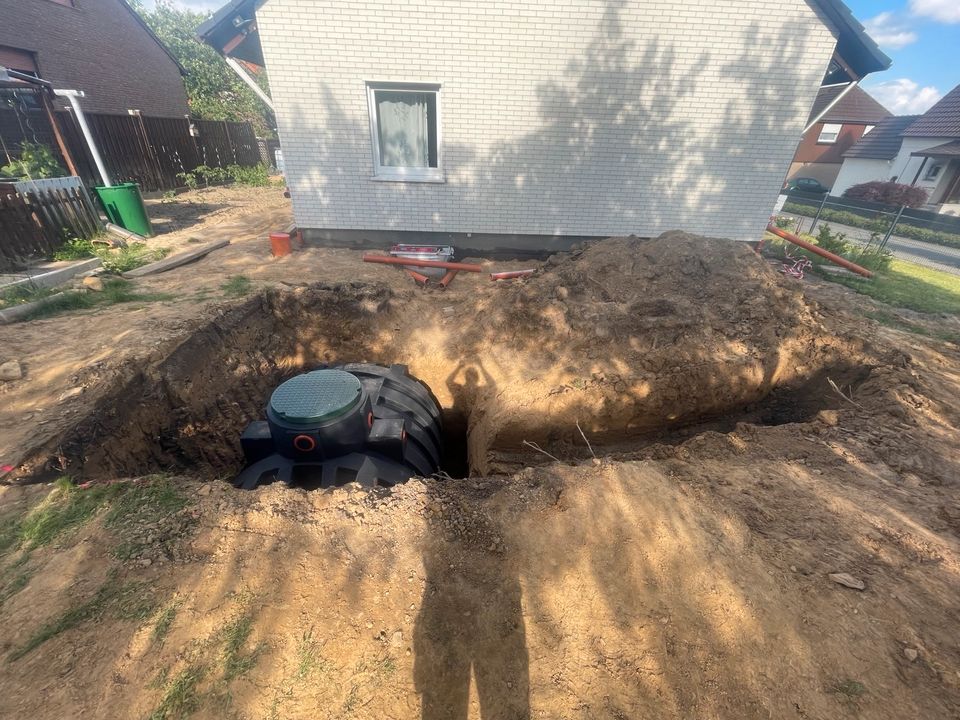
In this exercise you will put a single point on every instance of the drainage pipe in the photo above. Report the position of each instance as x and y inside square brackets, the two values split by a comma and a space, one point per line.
[390, 260]
[419, 277]
[71, 96]
[835, 259]
[509, 274]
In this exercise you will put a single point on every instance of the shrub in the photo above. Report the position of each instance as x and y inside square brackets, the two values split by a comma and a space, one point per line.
[832, 242]
[783, 222]
[130, 257]
[888, 193]
[256, 176]
[36, 161]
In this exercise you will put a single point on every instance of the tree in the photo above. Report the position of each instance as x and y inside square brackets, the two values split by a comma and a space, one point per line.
[213, 89]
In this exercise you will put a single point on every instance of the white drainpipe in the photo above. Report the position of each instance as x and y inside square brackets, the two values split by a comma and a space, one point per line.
[828, 108]
[72, 96]
[238, 69]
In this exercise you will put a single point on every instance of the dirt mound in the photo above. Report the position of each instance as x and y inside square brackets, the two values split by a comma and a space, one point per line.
[629, 336]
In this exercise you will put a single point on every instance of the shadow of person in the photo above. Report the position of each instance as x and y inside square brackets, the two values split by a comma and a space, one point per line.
[470, 619]
[464, 397]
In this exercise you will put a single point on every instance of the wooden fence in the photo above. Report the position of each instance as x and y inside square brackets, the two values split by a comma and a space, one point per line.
[147, 150]
[36, 217]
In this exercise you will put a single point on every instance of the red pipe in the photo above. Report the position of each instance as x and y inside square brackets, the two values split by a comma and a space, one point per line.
[419, 277]
[448, 278]
[511, 274]
[836, 259]
[388, 260]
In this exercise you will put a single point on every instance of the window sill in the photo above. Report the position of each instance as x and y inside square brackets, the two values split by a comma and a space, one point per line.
[435, 179]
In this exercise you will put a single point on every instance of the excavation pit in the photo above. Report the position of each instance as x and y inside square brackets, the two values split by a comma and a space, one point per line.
[684, 335]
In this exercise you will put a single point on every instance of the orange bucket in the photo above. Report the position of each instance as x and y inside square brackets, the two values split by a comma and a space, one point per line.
[280, 244]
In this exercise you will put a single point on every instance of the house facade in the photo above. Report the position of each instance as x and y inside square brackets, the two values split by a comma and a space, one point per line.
[496, 123]
[923, 151]
[101, 47]
[842, 119]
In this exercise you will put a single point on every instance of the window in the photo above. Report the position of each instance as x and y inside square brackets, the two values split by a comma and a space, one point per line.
[405, 131]
[868, 128]
[934, 172]
[830, 133]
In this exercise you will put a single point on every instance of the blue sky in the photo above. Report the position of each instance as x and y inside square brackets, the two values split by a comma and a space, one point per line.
[922, 37]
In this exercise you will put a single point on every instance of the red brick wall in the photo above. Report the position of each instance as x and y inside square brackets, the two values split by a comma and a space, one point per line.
[810, 151]
[99, 47]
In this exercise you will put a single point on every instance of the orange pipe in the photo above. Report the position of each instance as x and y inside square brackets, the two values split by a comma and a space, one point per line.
[389, 260]
[280, 244]
[419, 277]
[835, 259]
[509, 274]
[448, 278]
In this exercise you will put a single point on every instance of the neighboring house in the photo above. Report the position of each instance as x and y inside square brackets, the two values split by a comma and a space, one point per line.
[873, 157]
[99, 46]
[842, 119]
[923, 151]
[526, 125]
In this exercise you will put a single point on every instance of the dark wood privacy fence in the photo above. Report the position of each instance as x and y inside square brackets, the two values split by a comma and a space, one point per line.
[146, 150]
[36, 217]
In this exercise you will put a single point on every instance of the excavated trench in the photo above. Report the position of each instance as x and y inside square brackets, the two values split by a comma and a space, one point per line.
[185, 412]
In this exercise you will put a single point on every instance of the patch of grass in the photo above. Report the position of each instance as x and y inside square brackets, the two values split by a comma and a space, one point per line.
[22, 294]
[134, 255]
[235, 636]
[143, 503]
[65, 508]
[181, 696]
[75, 249]
[909, 285]
[237, 286]
[164, 622]
[309, 659]
[115, 291]
[127, 601]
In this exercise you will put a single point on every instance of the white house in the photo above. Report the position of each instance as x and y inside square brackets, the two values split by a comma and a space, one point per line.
[916, 150]
[530, 124]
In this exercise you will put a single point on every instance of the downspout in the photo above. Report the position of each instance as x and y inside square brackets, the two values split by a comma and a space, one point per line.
[71, 96]
[251, 83]
[828, 108]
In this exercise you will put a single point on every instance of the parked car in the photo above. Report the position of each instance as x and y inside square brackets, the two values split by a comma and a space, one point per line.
[805, 185]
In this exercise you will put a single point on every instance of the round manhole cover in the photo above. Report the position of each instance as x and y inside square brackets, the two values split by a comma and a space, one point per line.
[316, 397]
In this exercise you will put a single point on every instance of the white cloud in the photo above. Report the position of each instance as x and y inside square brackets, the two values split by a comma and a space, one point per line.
[946, 11]
[889, 31]
[904, 96]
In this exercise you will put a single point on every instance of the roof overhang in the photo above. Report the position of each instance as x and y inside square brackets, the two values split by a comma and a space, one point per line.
[857, 55]
[947, 151]
[232, 31]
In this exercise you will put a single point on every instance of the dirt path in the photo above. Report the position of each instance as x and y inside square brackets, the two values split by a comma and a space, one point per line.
[684, 573]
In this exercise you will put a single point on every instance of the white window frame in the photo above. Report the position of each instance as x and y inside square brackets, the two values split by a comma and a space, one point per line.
[868, 129]
[824, 131]
[933, 172]
[403, 174]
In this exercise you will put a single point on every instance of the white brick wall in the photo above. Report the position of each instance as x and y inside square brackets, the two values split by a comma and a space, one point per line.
[558, 116]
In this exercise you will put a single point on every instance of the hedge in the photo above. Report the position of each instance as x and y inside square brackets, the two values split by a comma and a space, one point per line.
[903, 229]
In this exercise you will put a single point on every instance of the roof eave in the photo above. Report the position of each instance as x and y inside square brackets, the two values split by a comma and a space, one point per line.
[854, 45]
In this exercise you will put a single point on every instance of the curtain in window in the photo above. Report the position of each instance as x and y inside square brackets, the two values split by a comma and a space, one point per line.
[404, 129]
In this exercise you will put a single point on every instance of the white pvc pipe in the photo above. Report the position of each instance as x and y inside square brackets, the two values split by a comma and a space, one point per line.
[71, 96]
[828, 108]
[238, 69]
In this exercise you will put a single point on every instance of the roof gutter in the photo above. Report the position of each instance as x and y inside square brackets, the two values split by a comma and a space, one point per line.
[840, 96]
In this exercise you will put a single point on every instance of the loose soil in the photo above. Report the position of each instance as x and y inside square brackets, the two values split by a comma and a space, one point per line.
[752, 436]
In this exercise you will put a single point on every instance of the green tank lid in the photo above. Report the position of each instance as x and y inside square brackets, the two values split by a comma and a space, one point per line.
[316, 397]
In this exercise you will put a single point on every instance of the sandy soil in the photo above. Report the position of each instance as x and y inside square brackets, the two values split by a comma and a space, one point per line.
[683, 573]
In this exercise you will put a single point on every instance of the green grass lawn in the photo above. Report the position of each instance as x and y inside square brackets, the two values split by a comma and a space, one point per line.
[908, 285]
